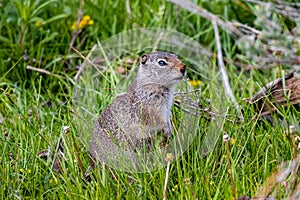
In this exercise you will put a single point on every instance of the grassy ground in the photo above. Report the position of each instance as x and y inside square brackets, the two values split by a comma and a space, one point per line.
[34, 107]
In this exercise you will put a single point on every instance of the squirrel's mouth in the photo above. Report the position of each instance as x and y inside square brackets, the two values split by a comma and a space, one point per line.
[179, 78]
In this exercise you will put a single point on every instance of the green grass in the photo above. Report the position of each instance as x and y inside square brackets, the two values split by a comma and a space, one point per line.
[34, 107]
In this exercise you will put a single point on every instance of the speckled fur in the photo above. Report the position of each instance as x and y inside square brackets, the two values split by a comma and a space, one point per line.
[142, 112]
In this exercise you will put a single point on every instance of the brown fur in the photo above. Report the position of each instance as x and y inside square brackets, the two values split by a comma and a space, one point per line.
[141, 113]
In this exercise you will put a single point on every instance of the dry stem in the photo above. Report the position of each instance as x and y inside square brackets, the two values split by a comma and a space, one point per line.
[42, 71]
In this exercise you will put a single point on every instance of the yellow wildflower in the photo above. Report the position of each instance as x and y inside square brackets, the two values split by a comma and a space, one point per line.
[85, 21]
[175, 188]
[195, 83]
[232, 141]
[91, 22]
[21, 170]
[86, 18]
[29, 171]
[38, 23]
[73, 26]
[54, 180]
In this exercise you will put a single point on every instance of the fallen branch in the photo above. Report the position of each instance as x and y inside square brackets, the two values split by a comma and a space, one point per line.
[233, 28]
[42, 71]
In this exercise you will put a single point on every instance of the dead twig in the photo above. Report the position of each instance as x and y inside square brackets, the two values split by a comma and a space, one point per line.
[223, 72]
[86, 59]
[168, 159]
[197, 110]
[83, 40]
[194, 8]
[42, 71]
[279, 176]
[221, 64]
[128, 7]
[76, 31]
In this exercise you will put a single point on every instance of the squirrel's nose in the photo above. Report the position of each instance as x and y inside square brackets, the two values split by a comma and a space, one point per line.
[183, 69]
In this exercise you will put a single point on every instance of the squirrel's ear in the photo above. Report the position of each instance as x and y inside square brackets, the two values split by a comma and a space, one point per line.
[143, 59]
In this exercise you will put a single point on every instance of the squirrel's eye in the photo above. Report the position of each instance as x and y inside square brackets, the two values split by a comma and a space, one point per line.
[162, 63]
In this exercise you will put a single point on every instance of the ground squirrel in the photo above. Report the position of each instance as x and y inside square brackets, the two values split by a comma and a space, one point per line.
[142, 112]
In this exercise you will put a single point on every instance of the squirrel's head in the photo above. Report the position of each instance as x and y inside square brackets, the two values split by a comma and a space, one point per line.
[161, 68]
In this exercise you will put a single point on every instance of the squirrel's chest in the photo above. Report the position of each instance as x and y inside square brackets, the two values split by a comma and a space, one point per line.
[153, 106]
[165, 109]
[160, 112]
